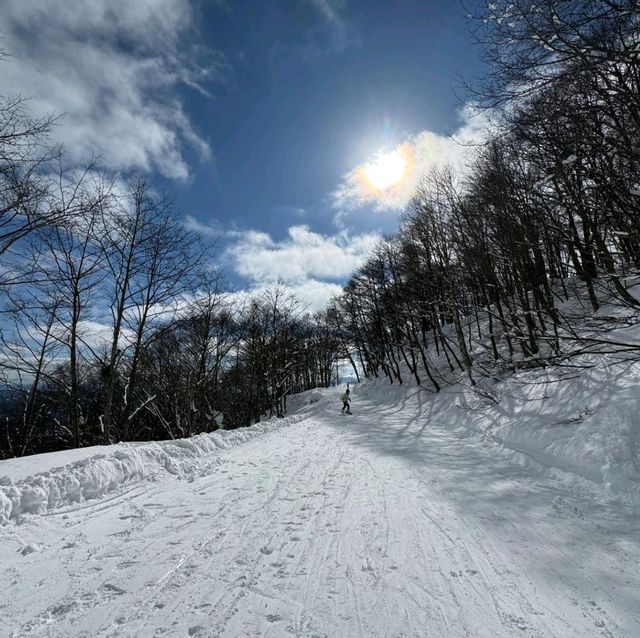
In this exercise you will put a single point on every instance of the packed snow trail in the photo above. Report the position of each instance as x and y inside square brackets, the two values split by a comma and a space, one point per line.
[374, 524]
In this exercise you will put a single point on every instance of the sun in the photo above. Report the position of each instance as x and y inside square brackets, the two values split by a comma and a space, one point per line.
[386, 170]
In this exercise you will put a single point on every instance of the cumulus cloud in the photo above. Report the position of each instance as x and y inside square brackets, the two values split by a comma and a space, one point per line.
[111, 68]
[422, 152]
[312, 294]
[303, 255]
[309, 264]
[315, 294]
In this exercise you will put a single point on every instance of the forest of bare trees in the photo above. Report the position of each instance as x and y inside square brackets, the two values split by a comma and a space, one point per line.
[113, 323]
[532, 255]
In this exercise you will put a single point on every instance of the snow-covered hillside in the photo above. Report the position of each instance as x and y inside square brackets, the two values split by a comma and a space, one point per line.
[418, 515]
[579, 426]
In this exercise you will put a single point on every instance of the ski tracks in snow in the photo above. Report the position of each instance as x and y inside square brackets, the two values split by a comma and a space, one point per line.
[376, 525]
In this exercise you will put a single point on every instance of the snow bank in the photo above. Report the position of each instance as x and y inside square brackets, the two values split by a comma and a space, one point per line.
[21, 467]
[309, 400]
[579, 425]
[578, 422]
[94, 476]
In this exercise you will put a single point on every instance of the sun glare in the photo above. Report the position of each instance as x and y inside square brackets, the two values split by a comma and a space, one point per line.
[386, 170]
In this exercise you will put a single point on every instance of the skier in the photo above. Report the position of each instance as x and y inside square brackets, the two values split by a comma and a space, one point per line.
[346, 400]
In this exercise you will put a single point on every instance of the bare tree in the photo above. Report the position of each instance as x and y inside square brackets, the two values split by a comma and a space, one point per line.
[70, 259]
[151, 260]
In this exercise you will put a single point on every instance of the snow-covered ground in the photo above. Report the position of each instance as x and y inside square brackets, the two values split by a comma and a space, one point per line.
[36, 484]
[416, 516]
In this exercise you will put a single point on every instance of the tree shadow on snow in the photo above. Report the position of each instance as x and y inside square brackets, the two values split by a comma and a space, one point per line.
[533, 507]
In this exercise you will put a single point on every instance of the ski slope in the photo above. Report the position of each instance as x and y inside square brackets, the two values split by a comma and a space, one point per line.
[382, 523]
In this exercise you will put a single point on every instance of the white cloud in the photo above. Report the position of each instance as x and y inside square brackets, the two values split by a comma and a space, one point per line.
[423, 152]
[303, 255]
[110, 67]
[98, 336]
[314, 295]
[308, 264]
[205, 230]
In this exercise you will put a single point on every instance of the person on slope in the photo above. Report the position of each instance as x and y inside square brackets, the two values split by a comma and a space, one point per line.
[346, 400]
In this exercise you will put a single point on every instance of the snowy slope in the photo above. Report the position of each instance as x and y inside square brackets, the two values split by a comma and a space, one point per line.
[384, 523]
[579, 426]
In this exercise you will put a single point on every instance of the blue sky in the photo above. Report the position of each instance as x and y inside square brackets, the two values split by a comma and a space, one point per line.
[253, 114]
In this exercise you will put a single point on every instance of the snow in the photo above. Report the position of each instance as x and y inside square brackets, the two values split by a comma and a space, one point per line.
[23, 466]
[87, 475]
[581, 426]
[420, 515]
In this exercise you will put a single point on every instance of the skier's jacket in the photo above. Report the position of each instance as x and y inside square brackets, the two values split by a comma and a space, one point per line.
[345, 398]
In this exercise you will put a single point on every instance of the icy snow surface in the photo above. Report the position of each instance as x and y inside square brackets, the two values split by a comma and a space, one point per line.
[415, 516]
